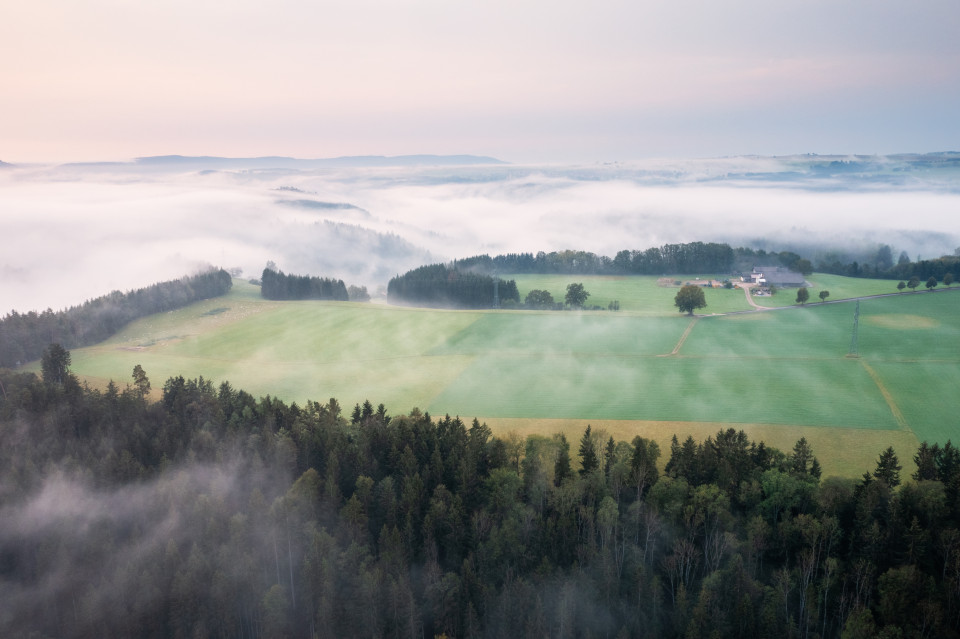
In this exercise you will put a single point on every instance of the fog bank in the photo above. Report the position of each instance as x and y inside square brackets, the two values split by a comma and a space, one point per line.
[73, 232]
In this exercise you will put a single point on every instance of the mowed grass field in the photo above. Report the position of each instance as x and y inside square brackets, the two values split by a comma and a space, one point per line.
[778, 374]
[638, 294]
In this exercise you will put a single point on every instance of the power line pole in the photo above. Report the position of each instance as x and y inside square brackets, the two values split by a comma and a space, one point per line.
[854, 345]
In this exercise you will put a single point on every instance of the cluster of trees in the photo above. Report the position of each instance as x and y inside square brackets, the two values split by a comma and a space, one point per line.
[23, 336]
[931, 282]
[214, 513]
[575, 297]
[275, 285]
[694, 257]
[438, 285]
[882, 266]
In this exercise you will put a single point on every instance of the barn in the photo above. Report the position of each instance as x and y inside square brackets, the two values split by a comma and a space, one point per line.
[777, 276]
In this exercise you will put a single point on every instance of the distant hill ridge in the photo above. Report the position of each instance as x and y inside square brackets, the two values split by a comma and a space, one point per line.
[344, 161]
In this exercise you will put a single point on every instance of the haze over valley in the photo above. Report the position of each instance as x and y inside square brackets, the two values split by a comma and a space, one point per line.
[73, 232]
[699, 380]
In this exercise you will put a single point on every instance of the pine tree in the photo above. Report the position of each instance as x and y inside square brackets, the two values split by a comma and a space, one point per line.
[926, 461]
[561, 468]
[609, 457]
[588, 454]
[802, 455]
[888, 468]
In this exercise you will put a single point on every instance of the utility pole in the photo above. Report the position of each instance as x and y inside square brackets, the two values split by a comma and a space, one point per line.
[854, 345]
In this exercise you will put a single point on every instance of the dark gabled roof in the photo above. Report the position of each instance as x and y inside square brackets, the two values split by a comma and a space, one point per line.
[780, 275]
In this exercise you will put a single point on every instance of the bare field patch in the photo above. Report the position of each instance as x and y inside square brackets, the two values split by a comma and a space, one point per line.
[844, 452]
[902, 322]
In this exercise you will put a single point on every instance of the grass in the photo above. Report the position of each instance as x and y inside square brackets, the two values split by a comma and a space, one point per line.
[776, 374]
[638, 294]
[668, 389]
[567, 333]
[839, 286]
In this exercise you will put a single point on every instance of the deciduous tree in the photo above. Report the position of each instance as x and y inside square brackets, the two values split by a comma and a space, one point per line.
[824, 295]
[576, 295]
[802, 295]
[689, 298]
[538, 298]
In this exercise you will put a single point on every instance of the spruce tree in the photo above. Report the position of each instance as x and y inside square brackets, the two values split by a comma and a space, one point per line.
[561, 468]
[888, 468]
[588, 454]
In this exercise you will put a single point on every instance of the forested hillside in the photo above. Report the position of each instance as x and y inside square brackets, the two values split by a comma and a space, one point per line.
[23, 336]
[214, 513]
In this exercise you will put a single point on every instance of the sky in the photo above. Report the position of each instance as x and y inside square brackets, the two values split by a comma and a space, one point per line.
[531, 81]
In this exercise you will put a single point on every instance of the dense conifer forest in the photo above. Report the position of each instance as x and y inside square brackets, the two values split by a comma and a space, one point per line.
[438, 285]
[694, 257]
[210, 512]
[23, 336]
[276, 285]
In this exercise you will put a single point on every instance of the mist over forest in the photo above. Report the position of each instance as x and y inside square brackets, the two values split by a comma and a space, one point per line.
[73, 232]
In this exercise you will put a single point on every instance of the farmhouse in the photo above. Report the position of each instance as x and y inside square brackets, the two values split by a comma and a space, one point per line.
[776, 275]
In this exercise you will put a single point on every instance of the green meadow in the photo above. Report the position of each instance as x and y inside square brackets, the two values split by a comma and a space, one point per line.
[638, 294]
[779, 374]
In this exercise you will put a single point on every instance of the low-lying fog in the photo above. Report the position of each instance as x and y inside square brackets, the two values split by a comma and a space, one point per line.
[70, 233]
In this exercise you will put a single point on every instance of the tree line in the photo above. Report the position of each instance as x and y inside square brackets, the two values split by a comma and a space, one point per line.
[709, 257]
[883, 266]
[210, 512]
[438, 285]
[693, 257]
[23, 336]
[276, 285]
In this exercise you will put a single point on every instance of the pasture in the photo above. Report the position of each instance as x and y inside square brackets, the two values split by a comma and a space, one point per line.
[777, 374]
[640, 294]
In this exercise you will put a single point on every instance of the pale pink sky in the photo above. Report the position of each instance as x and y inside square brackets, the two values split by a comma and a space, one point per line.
[525, 81]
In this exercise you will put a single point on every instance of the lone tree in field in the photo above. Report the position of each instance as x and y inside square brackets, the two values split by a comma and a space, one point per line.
[802, 295]
[913, 283]
[931, 283]
[576, 295]
[948, 279]
[902, 285]
[689, 298]
[824, 295]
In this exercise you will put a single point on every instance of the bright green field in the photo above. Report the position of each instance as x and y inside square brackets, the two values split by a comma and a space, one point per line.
[775, 373]
[840, 287]
[637, 294]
